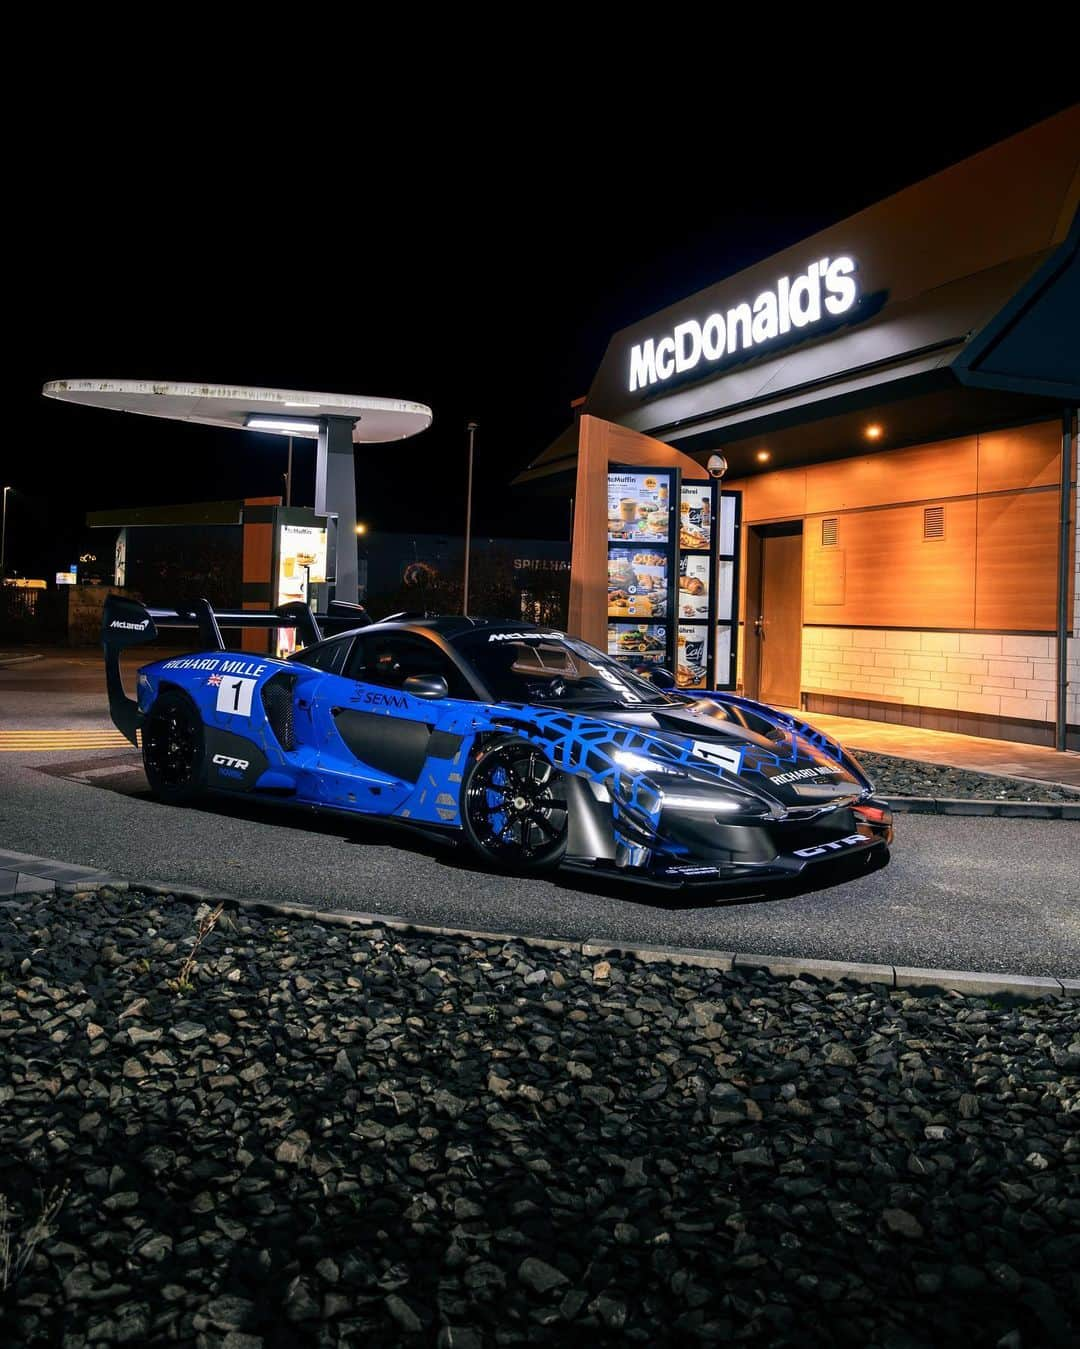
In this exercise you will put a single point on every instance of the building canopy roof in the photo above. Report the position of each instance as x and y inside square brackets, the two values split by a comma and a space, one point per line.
[969, 277]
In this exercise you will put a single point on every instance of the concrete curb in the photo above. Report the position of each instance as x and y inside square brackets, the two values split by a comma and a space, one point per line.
[970, 983]
[950, 805]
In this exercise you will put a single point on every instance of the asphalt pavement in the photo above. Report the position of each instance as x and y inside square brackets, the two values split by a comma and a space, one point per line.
[962, 893]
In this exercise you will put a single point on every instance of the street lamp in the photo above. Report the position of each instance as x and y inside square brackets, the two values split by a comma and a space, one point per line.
[471, 428]
[3, 533]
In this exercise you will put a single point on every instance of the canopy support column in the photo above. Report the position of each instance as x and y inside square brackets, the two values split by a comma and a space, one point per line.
[335, 494]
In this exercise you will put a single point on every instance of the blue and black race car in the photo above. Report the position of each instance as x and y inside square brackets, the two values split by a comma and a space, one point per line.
[532, 746]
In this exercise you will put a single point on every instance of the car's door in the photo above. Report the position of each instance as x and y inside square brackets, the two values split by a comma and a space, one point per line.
[374, 735]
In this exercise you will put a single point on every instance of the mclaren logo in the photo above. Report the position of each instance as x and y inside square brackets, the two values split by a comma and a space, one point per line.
[224, 761]
[524, 636]
[848, 842]
[141, 626]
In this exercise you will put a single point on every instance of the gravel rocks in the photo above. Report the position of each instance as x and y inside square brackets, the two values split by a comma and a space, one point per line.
[911, 777]
[368, 1137]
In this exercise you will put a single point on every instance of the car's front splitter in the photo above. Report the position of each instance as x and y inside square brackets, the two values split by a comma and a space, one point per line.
[858, 858]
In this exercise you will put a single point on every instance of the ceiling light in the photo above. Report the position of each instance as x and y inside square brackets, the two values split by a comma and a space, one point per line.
[300, 405]
[763, 456]
[283, 426]
[873, 431]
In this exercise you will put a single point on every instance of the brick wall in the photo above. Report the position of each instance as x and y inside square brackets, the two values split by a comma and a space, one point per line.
[990, 673]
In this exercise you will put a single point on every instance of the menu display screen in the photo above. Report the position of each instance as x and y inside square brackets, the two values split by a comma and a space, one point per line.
[694, 596]
[637, 583]
[692, 656]
[638, 507]
[672, 574]
[695, 516]
[639, 642]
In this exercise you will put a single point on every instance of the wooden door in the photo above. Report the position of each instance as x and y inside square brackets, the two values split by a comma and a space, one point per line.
[779, 625]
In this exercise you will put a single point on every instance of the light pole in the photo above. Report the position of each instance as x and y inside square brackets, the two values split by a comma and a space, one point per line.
[471, 428]
[3, 534]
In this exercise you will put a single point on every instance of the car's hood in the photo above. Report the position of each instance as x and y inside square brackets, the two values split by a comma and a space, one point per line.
[765, 755]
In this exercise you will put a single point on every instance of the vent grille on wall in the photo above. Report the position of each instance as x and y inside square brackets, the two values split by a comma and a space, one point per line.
[830, 532]
[933, 523]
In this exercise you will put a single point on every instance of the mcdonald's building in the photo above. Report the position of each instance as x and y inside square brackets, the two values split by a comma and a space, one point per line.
[844, 479]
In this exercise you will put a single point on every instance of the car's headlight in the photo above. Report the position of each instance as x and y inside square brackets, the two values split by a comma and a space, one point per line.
[642, 763]
[711, 805]
[712, 800]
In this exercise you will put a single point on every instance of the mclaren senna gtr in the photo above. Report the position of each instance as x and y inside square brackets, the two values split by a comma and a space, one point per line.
[534, 748]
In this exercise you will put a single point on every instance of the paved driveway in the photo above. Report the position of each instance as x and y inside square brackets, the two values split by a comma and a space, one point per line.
[962, 893]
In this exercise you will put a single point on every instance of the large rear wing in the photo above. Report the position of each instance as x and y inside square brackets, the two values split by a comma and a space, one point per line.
[126, 623]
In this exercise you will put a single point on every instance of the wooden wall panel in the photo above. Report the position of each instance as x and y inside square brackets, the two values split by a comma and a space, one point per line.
[891, 577]
[1024, 456]
[773, 496]
[1016, 566]
[921, 473]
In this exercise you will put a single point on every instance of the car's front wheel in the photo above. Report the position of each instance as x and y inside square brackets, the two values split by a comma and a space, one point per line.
[173, 747]
[514, 808]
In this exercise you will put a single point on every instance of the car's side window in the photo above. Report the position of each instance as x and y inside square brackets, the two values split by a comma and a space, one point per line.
[388, 659]
[328, 656]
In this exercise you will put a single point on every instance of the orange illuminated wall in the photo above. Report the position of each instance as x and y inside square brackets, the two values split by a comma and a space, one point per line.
[961, 534]
[257, 563]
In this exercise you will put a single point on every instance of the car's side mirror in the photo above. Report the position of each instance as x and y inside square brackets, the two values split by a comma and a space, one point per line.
[657, 676]
[426, 686]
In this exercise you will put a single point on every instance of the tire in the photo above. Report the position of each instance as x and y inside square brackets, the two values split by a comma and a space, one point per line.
[513, 809]
[173, 748]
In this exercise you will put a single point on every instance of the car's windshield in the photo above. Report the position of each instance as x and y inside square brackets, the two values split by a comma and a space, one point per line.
[550, 667]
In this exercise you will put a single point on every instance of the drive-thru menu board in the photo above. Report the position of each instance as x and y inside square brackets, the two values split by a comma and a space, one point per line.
[641, 564]
[671, 575]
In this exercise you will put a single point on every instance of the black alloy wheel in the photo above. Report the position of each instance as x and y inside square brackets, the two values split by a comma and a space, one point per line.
[514, 809]
[173, 748]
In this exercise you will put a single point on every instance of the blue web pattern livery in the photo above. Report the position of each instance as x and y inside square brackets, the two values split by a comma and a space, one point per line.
[327, 741]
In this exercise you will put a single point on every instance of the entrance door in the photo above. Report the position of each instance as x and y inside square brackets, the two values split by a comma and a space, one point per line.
[778, 621]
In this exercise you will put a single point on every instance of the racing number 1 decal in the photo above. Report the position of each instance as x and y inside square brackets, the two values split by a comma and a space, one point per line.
[234, 696]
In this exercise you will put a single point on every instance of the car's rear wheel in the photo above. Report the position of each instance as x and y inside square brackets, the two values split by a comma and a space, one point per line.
[514, 808]
[173, 747]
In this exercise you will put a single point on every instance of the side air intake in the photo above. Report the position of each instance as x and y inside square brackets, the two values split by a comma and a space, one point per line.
[277, 698]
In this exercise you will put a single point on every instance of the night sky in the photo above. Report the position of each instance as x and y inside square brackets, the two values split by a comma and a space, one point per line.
[406, 238]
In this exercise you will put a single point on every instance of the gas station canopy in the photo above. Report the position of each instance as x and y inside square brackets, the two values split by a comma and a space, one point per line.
[232, 406]
[337, 421]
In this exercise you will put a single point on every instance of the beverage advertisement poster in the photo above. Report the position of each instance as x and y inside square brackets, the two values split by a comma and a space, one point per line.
[301, 564]
[691, 662]
[639, 642]
[301, 561]
[637, 583]
[638, 507]
[693, 586]
[695, 516]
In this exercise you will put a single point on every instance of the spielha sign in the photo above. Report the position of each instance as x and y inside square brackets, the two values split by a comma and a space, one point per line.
[826, 289]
